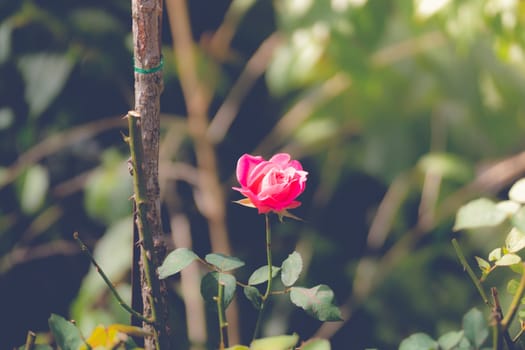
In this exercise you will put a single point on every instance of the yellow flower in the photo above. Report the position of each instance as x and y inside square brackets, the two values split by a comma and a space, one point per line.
[109, 338]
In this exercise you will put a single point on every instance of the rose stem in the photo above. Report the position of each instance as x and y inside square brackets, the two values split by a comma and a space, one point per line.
[269, 284]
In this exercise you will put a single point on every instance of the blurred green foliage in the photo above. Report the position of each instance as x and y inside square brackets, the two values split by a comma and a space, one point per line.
[406, 101]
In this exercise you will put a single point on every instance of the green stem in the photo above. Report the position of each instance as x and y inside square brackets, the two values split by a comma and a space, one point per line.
[471, 273]
[102, 274]
[497, 316]
[518, 335]
[223, 324]
[152, 285]
[496, 337]
[264, 298]
[499, 334]
[516, 301]
[30, 341]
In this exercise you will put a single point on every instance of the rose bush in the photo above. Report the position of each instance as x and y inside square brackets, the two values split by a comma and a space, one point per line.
[270, 185]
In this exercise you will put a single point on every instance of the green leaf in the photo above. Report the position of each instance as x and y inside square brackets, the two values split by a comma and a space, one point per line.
[419, 341]
[475, 327]
[517, 191]
[508, 259]
[291, 269]
[108, 189]
[224, 262]
[176, 261]
[294, 64]
[518, 219]
[483, 264]
[92, 21]
[7, 117]
[210, 287]
[261, 275]
[448, 341]
[495, 254]
[280, 342]
[34, 189]
[517, 268]
[521, 314]
[447, 165]
[45, 75]
[316, 344]
[67, 335]
[512, 286]
[478, 213]
[515, 241]
[316, 301]
[254, 296]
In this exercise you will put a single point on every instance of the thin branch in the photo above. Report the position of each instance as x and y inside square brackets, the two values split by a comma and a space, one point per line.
[296, 115]
[24, 255]
[516, 302]
[179, 171]
[219, 44]
[408, 48]
[497, 315]
[471, 273]
[57, 142]
[519, 334]
[74, 184]
[41, 223]
[102, 274]
[30, 341]
[382, 223]
[255, 67]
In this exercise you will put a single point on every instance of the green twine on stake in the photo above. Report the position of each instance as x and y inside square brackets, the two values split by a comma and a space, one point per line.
[150, 70]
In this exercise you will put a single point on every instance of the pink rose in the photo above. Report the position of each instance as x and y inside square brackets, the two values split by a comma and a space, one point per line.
[271, 185]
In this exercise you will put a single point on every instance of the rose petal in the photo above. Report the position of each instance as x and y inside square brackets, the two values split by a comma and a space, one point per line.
[245, 165]
[281, 158]
[295, 164]
[257, 174]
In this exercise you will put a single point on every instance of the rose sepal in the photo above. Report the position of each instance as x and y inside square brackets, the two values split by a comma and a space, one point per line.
[245, 202]
[285, 213]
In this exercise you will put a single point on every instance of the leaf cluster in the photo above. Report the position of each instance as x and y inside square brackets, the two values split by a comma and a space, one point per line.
[484, 213]
[473, 335]
[317, 301]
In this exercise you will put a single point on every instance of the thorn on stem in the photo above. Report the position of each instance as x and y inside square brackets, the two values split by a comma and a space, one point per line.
[134, 114]
[130, 166]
